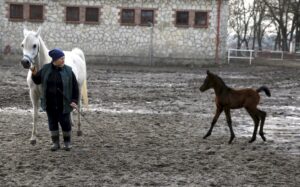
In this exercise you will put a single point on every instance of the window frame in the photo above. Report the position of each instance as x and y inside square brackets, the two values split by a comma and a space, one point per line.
[153, 17]
[39, 19]
[128, 23]
[26, 12]
[98, 15]
[16, 18]
[176, 18]
[66, 15]
[206, 20]
[192, 18]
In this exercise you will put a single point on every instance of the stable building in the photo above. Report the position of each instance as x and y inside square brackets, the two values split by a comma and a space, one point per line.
[122, 31]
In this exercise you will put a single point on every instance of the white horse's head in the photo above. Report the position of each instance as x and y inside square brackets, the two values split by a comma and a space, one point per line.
[31, 47]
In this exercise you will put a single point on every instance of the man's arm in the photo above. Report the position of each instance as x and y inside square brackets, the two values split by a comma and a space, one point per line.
[36, 76]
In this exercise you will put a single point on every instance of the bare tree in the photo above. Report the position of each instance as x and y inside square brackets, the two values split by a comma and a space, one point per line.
[283, 12]
[240, 17]
[261, 21]
[295, 9]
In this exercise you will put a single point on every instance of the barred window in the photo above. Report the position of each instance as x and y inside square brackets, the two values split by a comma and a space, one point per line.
[127, 16]
[92, 14]
[147, 16]
[16, 11]
[36, 12]
[182, 18]
[72, 14]
[201, 19]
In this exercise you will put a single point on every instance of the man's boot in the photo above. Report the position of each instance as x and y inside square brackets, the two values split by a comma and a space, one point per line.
[67, 140]
[55, 140]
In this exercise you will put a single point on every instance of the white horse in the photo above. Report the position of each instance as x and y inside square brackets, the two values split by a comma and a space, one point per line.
[35, 54]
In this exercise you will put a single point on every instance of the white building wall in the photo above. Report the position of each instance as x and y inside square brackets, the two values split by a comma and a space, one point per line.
[110, 39]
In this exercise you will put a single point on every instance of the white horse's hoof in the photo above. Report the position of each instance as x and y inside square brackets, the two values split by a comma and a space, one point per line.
[32, 142]
[79, 133]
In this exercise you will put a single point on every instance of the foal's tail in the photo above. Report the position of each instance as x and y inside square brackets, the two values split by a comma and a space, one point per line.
[265, 89]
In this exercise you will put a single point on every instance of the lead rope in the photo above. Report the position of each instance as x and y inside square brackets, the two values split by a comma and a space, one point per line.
[83, 116]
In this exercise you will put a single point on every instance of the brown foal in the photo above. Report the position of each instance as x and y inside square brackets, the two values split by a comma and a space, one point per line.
[228, 98]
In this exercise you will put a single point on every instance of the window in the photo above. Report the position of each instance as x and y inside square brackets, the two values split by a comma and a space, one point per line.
[76, 15]
[147, 16]
[137, 16]
[72, 14]
[36, 12]
[92, 14]
[201, 19]
[191, 18]
[16, 11]
[182, 18]
[127, 16]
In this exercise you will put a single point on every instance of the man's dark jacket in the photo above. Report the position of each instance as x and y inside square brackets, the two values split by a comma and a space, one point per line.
[59, 86]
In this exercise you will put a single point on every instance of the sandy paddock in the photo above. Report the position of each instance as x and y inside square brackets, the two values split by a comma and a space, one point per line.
[146, 128]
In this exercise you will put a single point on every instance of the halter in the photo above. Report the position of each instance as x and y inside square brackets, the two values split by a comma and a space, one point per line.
[32, 60]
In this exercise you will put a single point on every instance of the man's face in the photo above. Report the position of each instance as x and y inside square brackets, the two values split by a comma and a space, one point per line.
[60, 62]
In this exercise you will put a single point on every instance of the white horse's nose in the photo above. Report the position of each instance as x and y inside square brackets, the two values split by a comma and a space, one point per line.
[25, 63]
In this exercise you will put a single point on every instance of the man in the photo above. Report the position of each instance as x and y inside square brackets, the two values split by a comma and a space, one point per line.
[60, 96]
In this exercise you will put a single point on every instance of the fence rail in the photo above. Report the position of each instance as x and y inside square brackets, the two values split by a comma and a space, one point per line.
[277, 55]
[252, 54]
[241, 54]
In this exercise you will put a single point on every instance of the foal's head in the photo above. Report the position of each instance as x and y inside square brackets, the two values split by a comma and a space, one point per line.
[208, 82]
[30, 46]
[211, 81]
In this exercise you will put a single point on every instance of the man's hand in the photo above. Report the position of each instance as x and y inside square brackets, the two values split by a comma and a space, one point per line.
[33, 70]
[74, 105]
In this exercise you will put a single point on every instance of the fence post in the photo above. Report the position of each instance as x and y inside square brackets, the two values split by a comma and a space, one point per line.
[1, 48]
[250, 56]
[228, 55]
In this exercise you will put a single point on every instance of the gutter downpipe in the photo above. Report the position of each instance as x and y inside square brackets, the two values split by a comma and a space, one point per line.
[218, 32]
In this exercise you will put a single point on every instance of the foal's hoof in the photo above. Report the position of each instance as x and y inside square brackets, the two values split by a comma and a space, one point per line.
[79, 133]
[252, 140]
[231, 139]
[262, 137]
[32, 142]
[207, 135]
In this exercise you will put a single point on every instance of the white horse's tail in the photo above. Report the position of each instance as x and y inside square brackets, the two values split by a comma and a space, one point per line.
[79, 52]
[84, 94]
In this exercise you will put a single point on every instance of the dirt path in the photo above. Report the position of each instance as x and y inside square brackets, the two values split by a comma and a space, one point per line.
[146, 129]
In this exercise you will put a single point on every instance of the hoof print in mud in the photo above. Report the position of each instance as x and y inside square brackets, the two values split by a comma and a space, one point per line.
[32, 142]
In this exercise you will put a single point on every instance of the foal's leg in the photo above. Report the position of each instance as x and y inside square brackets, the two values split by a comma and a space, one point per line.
[254, 115]
[261, 129]
[218, 112]
[229, 122]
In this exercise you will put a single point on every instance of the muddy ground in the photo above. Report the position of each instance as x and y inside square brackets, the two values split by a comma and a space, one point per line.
[146, 128]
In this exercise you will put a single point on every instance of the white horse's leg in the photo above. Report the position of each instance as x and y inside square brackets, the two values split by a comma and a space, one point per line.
[35, 104]
[79, 132]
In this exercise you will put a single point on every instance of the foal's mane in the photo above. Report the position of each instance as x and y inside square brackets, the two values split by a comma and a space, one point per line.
[219, 79]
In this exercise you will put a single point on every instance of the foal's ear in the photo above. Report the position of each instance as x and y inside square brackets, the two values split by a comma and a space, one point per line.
[208, 72]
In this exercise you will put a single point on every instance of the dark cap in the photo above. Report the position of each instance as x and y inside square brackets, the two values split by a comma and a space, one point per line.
[56, 53]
